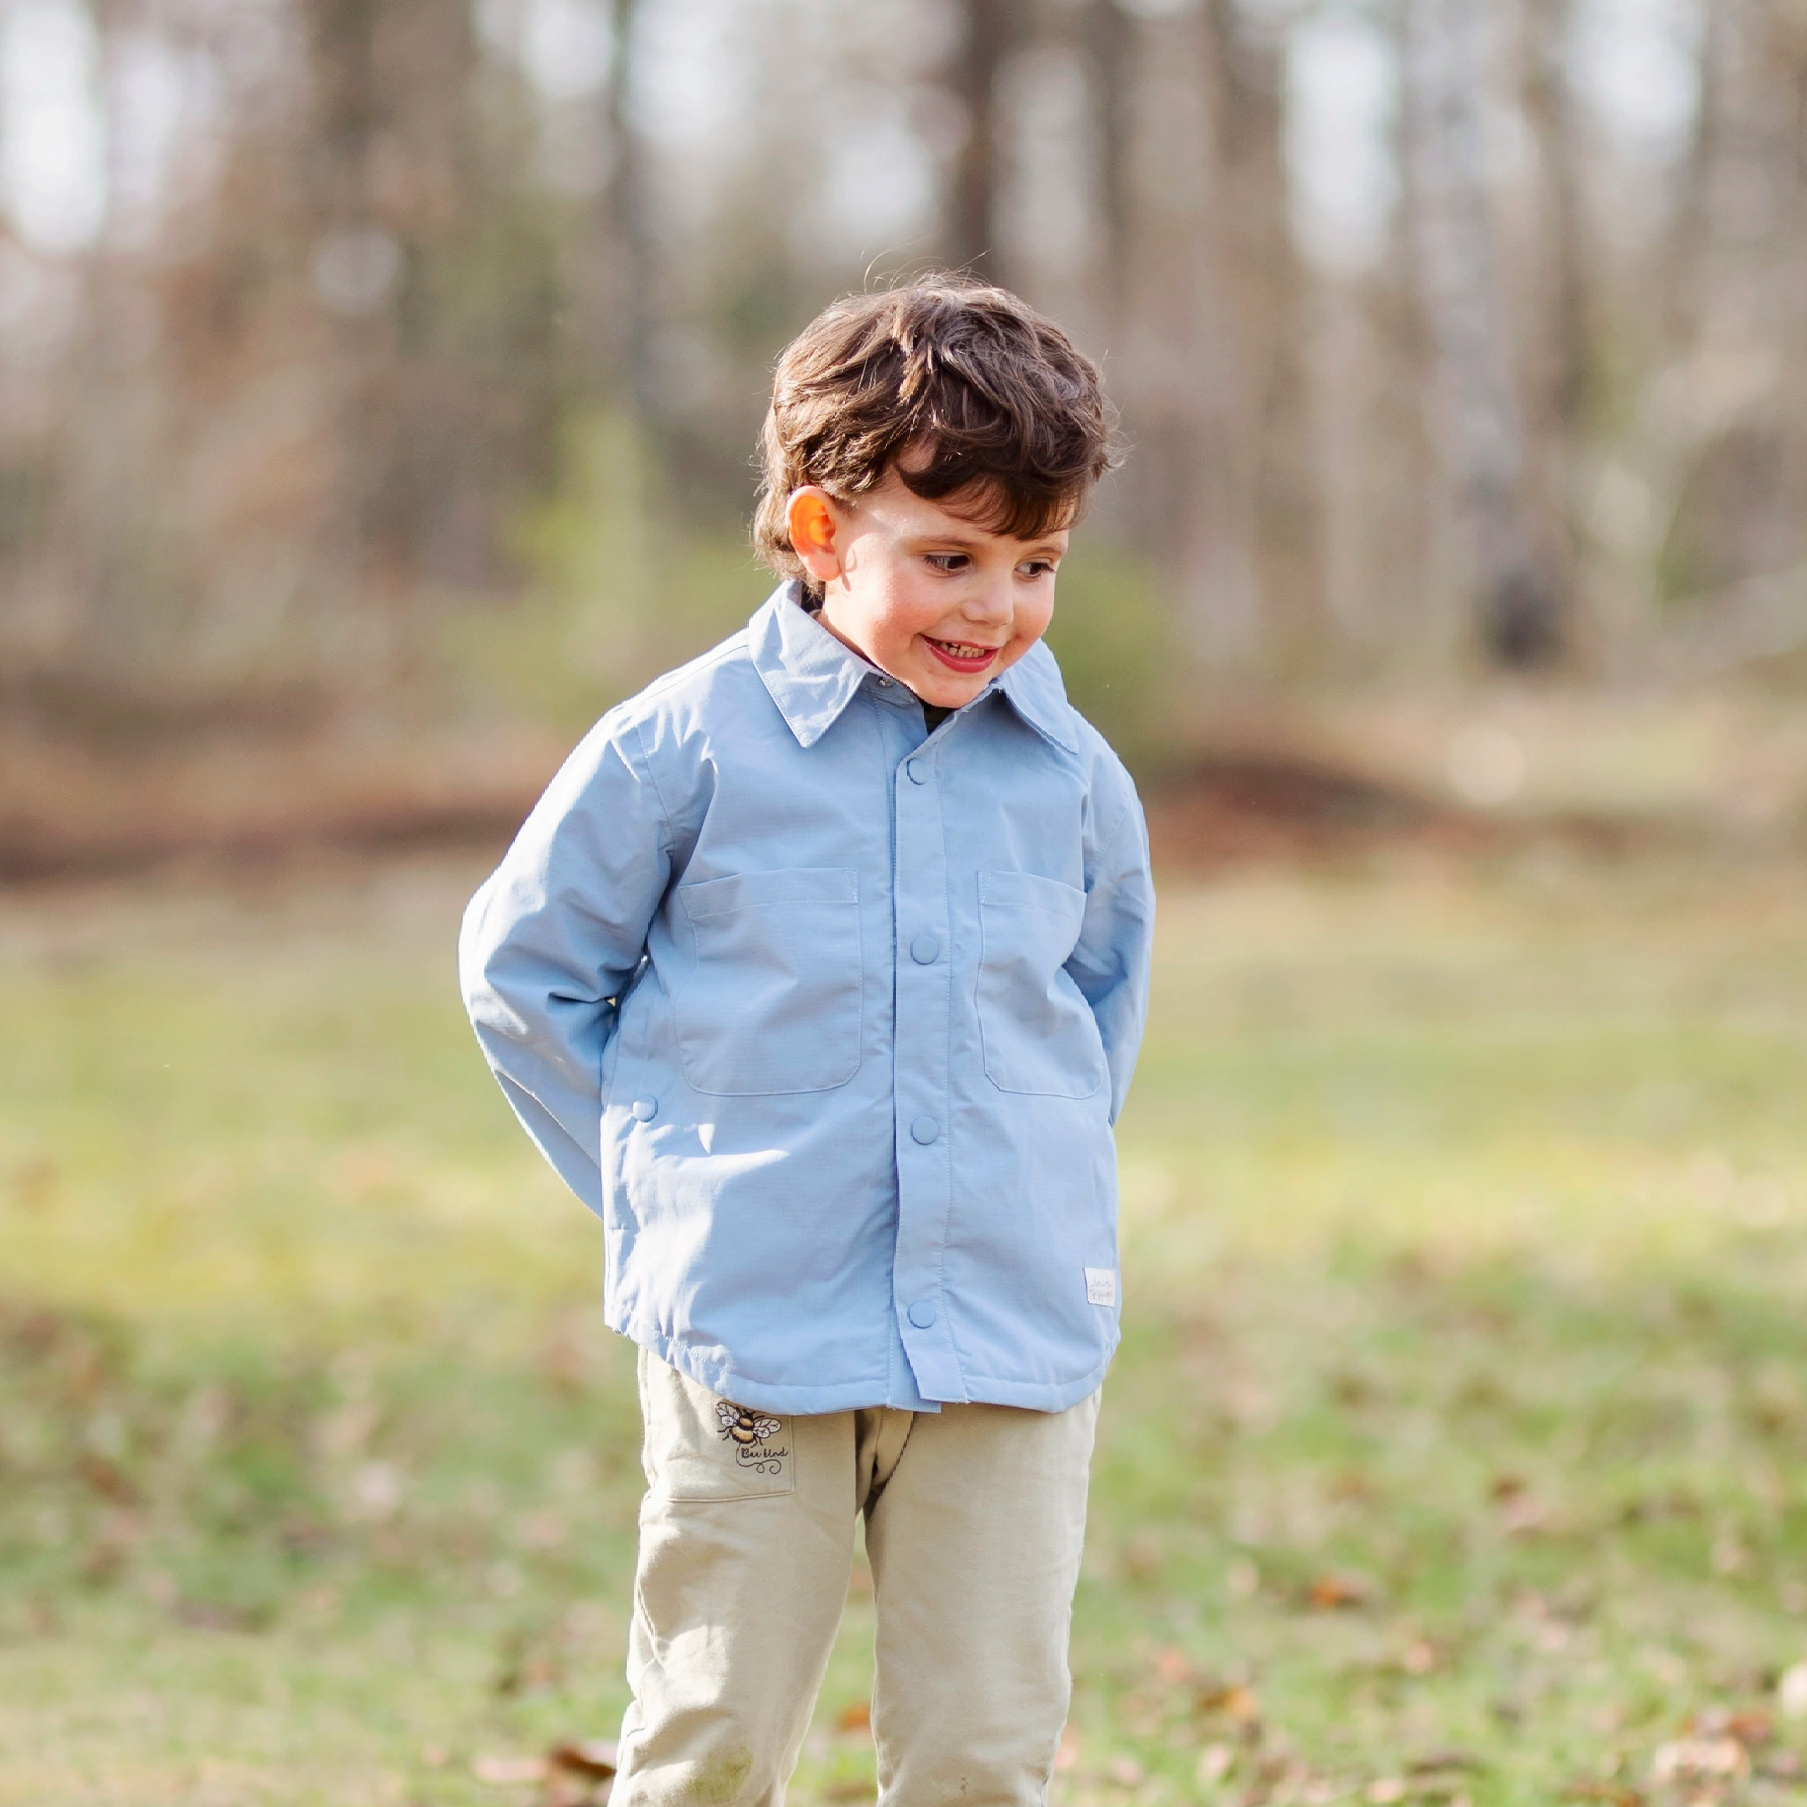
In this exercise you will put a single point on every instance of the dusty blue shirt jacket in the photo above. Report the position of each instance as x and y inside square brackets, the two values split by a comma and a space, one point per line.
[830, 1019]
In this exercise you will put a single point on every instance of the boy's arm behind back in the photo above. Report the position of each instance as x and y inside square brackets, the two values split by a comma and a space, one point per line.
[1110, 964]
[553, 936]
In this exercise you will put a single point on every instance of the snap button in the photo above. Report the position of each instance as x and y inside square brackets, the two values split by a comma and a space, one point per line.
[924, 949]
[646, 1109]
[884, 683]
[922, 1313]
[924, 1130]
[917, 774]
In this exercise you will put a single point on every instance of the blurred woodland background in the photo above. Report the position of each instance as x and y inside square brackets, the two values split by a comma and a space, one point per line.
[379, 382]
[378, 378]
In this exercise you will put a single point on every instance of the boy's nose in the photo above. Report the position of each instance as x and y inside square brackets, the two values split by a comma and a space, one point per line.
[990, 603]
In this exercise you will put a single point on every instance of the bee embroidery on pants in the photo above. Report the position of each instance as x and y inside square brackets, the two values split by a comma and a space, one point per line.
[750, 1434]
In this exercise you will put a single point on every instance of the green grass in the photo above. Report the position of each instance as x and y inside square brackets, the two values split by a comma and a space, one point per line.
[1461, 1414]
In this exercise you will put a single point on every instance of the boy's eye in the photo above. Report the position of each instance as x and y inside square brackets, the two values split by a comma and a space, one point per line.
[1037, 567]
[949, 561]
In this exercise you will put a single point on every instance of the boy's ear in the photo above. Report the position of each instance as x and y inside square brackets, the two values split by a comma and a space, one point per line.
[812, 519]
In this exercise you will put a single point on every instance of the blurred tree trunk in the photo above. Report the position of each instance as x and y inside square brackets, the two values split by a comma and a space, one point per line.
[1734, 508]
[1252, 565]
[630, 246]
[1110, 44]
[1482, 426]
[368, 556]
[1720, 178]
[1690, 228]
[109, 527]
[1563, 364]
[1565, 353]
[973, 224]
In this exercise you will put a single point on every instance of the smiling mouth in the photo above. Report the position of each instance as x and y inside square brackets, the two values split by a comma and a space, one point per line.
[961, 655]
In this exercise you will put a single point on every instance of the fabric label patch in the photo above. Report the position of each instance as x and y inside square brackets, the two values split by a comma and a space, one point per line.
[752, 1436]
[1101, 1285]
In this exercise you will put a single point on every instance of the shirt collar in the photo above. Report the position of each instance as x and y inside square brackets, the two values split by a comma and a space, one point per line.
[1037, 694]
[812, 676]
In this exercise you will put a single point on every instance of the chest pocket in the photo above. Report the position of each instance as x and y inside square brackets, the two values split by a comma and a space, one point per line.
[771, 1002]
[1038, 1032]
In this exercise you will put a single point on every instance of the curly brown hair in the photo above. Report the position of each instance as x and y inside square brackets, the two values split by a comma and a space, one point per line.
[995, 402]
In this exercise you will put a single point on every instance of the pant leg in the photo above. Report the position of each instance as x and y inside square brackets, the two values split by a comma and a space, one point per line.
[746, 1545]
[974, 1540]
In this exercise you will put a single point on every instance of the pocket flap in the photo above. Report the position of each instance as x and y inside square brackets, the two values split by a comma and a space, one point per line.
[1030, 891]
[763, 890]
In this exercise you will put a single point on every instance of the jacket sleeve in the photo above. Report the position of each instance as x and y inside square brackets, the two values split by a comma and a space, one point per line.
[1110, 962]
[554, 935]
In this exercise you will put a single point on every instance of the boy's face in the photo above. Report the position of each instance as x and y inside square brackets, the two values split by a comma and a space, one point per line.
[938, 603]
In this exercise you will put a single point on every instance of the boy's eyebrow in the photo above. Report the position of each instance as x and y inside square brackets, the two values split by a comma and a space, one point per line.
[979, 537]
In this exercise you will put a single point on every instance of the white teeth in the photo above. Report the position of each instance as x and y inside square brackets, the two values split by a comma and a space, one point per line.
[961, 651]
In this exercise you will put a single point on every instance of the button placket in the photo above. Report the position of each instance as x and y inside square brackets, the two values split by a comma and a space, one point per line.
[923, 1000]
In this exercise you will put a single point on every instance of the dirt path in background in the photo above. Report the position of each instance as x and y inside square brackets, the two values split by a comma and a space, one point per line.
[70, 814]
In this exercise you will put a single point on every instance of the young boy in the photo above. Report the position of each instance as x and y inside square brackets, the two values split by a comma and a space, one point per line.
[819, 972]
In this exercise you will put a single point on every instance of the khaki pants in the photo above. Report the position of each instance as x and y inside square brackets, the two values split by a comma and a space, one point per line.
[974, 1520]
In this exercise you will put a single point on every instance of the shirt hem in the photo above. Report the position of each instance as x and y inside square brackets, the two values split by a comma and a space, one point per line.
[1037, 1396]
[864, 1395]
[760, 1396]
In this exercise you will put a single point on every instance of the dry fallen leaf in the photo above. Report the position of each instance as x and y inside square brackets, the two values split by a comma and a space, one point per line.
[855, 1717]
[1521, 1513]
[1750, 1727]
[1696, 1759]
[1215, 1762]
[1233, 1701]
[1437, 1762]
[1126, 1772]
[108, 1479]
[1172, 1665]
[585, 1757]
[541, 1531]
[1241, 1705]
[1384, 1789]
[1143, 1556]
[509, 1772]
[1329, 1593]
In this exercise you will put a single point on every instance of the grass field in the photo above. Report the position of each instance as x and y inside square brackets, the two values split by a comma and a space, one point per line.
[1458, 1446]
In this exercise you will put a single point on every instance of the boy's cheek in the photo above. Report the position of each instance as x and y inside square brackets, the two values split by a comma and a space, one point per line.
[1030, 628]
